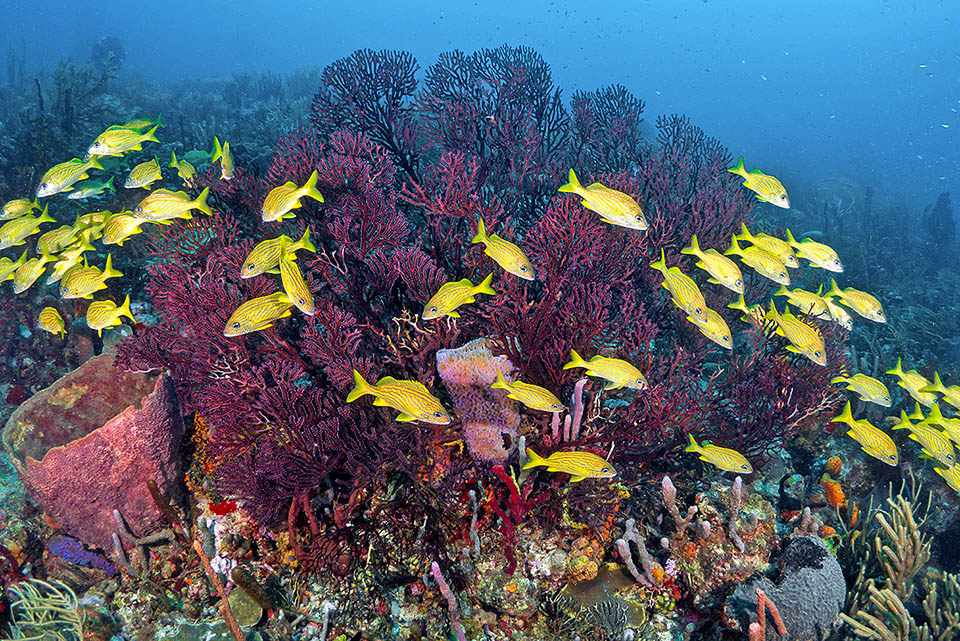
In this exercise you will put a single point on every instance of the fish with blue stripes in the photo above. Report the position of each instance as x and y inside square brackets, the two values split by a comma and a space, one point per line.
[18, 207]
[222, 153]
[258, 314]
[265, 257]
[83, 282]
[504, 253]
[28, 273]
[722, 270]
[726, 459]
[617, 372]
[8, 266]
[143, 175]
[766, 187]
[281, 200]
[951, 475]
[813, 305]
[120, 227]
[950, 394]
[411, 398]
[63, 176]
[715, 329]
[762, 261]
[163, 205]
[873, 440]
[686, 295]
[532, 396]
[934, 443]
[776, 246]
[838, 314]
[818, 254]
[186, 171]
[452, 295]
[870, 389]
[579, 465]
[614, 207]
[864, 304]
[294, 285]
[15, 232]
[914, 382]
[804, 339]
[50, 320]
[102, 314]
[117, 140]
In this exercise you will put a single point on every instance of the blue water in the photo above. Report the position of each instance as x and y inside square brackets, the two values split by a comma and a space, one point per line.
[807, 90]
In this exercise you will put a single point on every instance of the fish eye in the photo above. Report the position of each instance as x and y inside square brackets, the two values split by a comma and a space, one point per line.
[817, 354]
[251, 266]
[744, 467]
[783, 197]
[726, 339]
[891, 457]
[438, 414]
[605, 470]
[639, 218]
[96, 144]
[301, 300]
[43, 186]
[783, 274]
[433, 309]
[739, 283]
[555, 406]
[236, 326]
[139, 210]
[699, 311]
[523, 268]
[639, 382]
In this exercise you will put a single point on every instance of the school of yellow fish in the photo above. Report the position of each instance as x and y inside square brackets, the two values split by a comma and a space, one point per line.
[64, 249]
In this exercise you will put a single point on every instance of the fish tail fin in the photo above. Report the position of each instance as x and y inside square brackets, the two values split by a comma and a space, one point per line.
[898, 370]
[159, 121]
[739, 169]
[109, 185]
[782, 291]
[904, 423]
[693, 446]
[846, 416]
[109, 271]
[360, 387]
[535, 460]
[575, 360]
[94, 163]
[151, 135]
[125, 309]
[834, 289]
[173, 159]
[734, 247]
[936, 386]
[791, 240]
[217, 152]
[501, 382]
[935, 416]
[661, 264]
[304, 242]
[201, 202]
[693, 249]
[744, 232]
[484, 286]
[481, 235]
[310, 188]
[573, 185]
[45, 216]
[740, 304]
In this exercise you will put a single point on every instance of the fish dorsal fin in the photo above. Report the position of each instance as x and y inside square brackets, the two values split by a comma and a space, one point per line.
[410, 385]
[597, 186]
[387, 380]
[465, 282]
[291, 185]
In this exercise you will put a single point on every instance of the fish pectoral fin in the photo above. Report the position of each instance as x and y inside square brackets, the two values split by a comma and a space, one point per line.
[612, 385]
[577, 479]
[453, 314]
[405, 418]
[714, 281]
[272, 271]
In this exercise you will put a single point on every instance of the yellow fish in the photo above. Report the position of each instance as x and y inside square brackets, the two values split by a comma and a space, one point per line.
[839, 315]
[51, 321]
[28, 273]
[766, 187]
[914, 382]
[579, 465]
[504, 253]
[870, 389]
[614, 207]
[818, 254]
[762, 261]
[280, 200]
[117, 141]
[454, 294]
[15, 232]
[258, 314]
[8, 267]
[779, 248]
[410, 398]
[142, 123]
[617, 372]
[715, 329]
[81, 283]
[265, 257]
[223, 155]
[102, 314]
[951, 475]
[18, 207]
[56, 239]
[185, 170]
[752, 314]
[807, 302]
[933, 442]
[804, 339]
[533, 396]
[164, 204]
[723, 457]
[686, 294]
[873, 440]
[63, 176]
[120, 227]
[70, 257]
[950, 394]
[144, 175]
[862, 303]
[722, 270]
[294, 286]
[91, 188]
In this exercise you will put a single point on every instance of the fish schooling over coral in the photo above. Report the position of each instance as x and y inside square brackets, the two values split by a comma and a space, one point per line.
[614, 207]
[504, 253]
[766, 187]
[724, 458]
[264, 258]
[452, 295]
[872, 439]
[722, 270]
[617, 372]
[281, 200]
[532, 396]
[686, 295]
[579, 465]
[410, 398]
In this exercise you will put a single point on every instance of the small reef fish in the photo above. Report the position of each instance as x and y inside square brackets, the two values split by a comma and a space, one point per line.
[265, 257]
[819, 254]
[579, 465]
[410, 398]
[766, 187]
[686, 294]
[163, 204]
[838, 314]
[258, 314]
[804, 339]
[51, 321]
[63, 176]
[933, 442]
[186, 171]
[614, 207]
[617, 372]
[723, 457]
[102, 314]
[532, 396]
[117, 141]
[120, 227]
[504, 253]
[809, 303]
[294, 286]
[83, 282]
[15, 232]
[280, 200]
[870, 389]
[143, 175]
[752, 314]
[914, 382]
[951, 475]
[8, 267]
[91, 188]
[722, 270]
[52, 241]
[19, 207]
[715, 329]
[862, 303]
[779, 248]
[223, 155]
[69, 258]
[28, 273]
[454, 294]
[873, 440]
[762, 262]
[950, 394]
[142, 123]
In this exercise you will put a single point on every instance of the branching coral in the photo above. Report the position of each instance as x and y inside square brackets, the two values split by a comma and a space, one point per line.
[42, 610]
